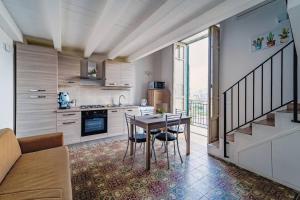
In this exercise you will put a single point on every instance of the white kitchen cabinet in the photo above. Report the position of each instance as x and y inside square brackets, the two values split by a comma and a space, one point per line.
[130, 111]
[118, 74]
[69, 123]
[127, 75]
[115, 122]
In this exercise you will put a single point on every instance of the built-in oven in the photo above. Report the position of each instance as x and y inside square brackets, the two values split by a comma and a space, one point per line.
[93, 122]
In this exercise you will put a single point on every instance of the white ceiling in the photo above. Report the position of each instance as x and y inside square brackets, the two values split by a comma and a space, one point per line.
[115, 27]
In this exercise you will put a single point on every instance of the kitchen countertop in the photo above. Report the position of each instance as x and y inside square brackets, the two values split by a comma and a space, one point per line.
[78, 109]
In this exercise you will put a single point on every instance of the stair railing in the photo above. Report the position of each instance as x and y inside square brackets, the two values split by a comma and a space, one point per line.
[229, 124]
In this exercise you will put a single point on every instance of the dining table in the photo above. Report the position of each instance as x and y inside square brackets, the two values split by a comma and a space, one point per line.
[156, 121]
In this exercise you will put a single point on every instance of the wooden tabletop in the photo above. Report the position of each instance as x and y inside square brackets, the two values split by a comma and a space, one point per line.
[154, 119]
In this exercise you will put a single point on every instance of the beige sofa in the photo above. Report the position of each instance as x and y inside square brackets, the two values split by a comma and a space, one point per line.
[34, 167]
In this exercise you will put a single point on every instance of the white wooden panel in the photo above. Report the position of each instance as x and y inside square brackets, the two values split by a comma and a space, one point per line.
[286, 159]
[115, 121]
[257, 159]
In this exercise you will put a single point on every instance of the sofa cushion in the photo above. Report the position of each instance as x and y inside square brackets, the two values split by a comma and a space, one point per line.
[9, 151]
[45, 171]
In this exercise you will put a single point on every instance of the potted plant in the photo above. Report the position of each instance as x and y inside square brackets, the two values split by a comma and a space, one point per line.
[284, 35]
[258, 43]
[270, 40]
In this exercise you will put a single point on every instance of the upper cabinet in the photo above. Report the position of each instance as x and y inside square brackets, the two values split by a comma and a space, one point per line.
[36, 69]
[68, 70]
[118, 74]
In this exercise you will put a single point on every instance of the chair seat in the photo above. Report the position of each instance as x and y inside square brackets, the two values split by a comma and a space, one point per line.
[140, 137]
[162, 137]
[173, 129]
[154, 131]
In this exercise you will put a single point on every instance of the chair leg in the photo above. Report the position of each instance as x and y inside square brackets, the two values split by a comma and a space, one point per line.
[126, 150]
[174, 148]
[179, 150]
[167, 154]
[134, 151]
[143, 147]
[153, 149]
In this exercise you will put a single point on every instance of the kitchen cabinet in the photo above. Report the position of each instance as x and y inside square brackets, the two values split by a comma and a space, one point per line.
[36, 90]
[130, 111]
[68, 70]
[115, 122]
[69, 123]
[118, 74]
[36, 70]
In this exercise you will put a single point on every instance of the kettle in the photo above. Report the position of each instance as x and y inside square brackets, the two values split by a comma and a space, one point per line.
[64, 100]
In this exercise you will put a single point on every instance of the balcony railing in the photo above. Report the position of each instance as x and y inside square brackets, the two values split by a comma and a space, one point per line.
[198, 110]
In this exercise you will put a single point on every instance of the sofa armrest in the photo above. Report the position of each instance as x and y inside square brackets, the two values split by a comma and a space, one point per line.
[40, 142]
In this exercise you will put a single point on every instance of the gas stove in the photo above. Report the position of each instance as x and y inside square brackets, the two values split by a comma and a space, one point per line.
[91, 106]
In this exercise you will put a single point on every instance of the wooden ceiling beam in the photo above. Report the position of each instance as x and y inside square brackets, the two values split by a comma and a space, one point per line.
[8, 25]
[211, 17]
[111, 12]
[154, 18]
[53, 19]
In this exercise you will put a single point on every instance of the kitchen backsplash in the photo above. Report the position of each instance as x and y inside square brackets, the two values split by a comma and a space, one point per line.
[86, 95]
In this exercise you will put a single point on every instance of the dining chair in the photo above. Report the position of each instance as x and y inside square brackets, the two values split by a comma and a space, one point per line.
[166, 136]
[153, 132]
[135, 137]
[173, 129]
[150, 112]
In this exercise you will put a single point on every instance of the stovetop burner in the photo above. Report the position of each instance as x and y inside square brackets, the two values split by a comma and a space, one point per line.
[91, 106]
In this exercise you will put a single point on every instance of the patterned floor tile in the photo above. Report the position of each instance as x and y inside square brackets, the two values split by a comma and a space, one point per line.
[98, 172]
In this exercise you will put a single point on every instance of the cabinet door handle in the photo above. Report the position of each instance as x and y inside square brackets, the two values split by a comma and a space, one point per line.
[129, 110]
[126, 84]
[38, 97]
[69, 114]
[34, 90]
[68, 123]
[114, 111]
[71, 81]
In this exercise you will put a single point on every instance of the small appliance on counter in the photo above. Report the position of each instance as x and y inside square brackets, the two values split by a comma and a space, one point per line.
[144, 102]
[64, 100]
[157, 85]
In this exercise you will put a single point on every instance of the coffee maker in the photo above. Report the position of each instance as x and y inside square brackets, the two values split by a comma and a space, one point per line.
[64, 100]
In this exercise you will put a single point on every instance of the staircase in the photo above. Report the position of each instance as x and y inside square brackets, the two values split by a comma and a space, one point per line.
[253, 100]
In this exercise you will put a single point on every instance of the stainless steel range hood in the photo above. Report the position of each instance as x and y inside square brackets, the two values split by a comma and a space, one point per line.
[90, 73]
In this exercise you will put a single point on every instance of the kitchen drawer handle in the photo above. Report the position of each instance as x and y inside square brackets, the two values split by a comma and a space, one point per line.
[34, 90]
[126, 84]
[38, 97]
[71, 82]
[129, 110]
[114, 111]
[69, 114]
[68, 123]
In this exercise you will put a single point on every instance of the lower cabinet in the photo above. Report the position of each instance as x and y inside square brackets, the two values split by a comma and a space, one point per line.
[70, 124]
[116, 121]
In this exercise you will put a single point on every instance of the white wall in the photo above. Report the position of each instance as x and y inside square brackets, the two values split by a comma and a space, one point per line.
[6, 82]
[236, 58]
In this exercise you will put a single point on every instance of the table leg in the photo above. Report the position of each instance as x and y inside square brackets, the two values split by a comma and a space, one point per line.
[130, 142]
[148, 149]
[188, 138]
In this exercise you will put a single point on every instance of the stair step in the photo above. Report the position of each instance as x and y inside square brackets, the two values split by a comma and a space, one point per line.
[215, 144]
[290, 106]
[230, 137]
[269, 121]
[246, 130]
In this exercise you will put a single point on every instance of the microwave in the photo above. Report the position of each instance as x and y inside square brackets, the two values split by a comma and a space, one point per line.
[157, 85]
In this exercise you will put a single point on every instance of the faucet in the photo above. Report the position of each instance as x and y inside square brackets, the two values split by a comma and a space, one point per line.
[120, 99]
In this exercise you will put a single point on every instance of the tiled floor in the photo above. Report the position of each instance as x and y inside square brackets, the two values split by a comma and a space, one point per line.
[99, 173]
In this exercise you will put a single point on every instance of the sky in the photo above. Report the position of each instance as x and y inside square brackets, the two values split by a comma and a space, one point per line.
[198, 66]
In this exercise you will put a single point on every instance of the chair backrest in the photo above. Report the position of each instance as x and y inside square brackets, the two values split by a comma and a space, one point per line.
[147, 112]
[173, 120]
[130, 119]
[179, 111]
